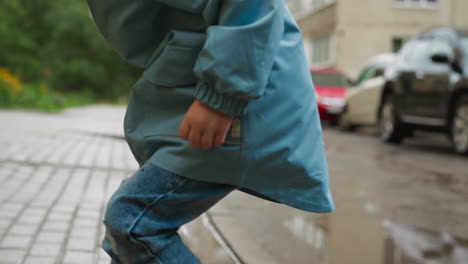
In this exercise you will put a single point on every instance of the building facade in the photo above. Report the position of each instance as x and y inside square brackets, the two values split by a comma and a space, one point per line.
[346, 33]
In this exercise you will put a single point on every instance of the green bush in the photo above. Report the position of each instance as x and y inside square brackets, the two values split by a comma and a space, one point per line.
[56, 43]
[15, 94]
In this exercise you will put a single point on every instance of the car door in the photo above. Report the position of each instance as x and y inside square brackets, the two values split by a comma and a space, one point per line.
[366, 94]
[423, 84]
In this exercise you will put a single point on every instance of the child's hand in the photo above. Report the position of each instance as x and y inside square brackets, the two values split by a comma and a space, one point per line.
[204, 127]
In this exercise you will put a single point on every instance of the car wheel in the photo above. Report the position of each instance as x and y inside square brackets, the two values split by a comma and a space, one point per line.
[345, 125]
[391, 130]
[460, 126]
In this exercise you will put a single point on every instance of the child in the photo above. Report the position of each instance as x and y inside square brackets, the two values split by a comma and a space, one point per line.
[226, 102]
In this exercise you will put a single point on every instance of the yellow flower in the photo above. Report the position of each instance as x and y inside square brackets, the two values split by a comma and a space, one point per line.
[10, 80]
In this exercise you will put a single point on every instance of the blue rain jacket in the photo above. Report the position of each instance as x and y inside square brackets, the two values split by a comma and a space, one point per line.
[241, 57]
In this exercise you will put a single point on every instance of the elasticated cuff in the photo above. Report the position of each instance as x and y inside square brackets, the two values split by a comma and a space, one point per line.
[223, 103]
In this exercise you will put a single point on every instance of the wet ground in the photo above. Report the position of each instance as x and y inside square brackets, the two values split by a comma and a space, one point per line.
[403, 204]
[395, 205]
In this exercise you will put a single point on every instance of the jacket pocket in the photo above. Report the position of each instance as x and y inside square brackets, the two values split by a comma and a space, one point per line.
[173, 67]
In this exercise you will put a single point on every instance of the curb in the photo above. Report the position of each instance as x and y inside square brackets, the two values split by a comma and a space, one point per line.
[218, 236]
[239, 244]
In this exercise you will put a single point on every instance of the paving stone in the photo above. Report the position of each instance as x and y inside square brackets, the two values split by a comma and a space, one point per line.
[25, 170]
[86, 222]
[4, 173]
[51, 236]
[24, 229]
[63, 208]
[8, 214]
[38, 212]
[82, 213]
[12, 256]
[41, 202]
[11, 206]
[40, 260]
[33, 220]
[55, 226]
[4, 223]
[46, 249]
[63, 217]
[81, 244]
[3, 178]
[83, 232]
[16, 241]
[90, 205]
[77, 257]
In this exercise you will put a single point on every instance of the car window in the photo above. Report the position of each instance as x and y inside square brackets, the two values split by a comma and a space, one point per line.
[367, 73]
[329, 79]
[440, 45]
[418, 53]
[407, 50]
[379, 71]
[464, 44]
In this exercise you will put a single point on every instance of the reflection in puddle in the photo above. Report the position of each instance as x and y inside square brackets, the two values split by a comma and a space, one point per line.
[398, 244]
[408, 245]
[306, 231]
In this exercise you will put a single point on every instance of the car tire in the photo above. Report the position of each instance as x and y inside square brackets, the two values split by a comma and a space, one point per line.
[346, 126]
[391, 130]
[459, 128]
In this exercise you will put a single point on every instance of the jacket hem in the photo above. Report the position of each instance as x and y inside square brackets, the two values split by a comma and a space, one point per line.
[298, 204]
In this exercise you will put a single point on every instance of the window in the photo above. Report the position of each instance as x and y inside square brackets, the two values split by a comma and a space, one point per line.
[416, 3]
[397, 43]
[322, 50]
[329, 79]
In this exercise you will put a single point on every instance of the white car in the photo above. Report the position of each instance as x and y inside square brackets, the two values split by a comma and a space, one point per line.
[363, 97]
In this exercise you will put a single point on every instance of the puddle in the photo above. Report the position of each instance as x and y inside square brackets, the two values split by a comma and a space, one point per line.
[411, 245]
[397, 244]
[309, 232]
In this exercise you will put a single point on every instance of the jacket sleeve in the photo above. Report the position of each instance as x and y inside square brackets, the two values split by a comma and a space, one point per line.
[234, 65]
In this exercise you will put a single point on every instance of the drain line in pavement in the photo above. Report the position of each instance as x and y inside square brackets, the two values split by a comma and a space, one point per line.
[218, 236]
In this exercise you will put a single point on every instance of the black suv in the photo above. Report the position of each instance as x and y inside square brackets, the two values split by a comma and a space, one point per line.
[427, 88]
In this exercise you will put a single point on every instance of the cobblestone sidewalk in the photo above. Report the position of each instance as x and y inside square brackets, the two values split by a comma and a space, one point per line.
[54, 181]
[56, 173]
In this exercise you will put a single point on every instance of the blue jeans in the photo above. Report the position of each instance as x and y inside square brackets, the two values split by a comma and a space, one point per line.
[142, 217]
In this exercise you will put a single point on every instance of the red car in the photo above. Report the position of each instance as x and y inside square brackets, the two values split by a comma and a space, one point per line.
[330, 87]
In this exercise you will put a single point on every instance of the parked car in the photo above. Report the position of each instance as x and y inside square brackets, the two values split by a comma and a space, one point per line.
[427, 88]
[330, 87]
[363, 96]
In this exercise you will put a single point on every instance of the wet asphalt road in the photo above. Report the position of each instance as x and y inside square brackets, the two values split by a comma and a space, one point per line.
[395, 205]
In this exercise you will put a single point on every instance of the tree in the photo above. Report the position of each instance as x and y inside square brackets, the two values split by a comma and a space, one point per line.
[57, 42]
